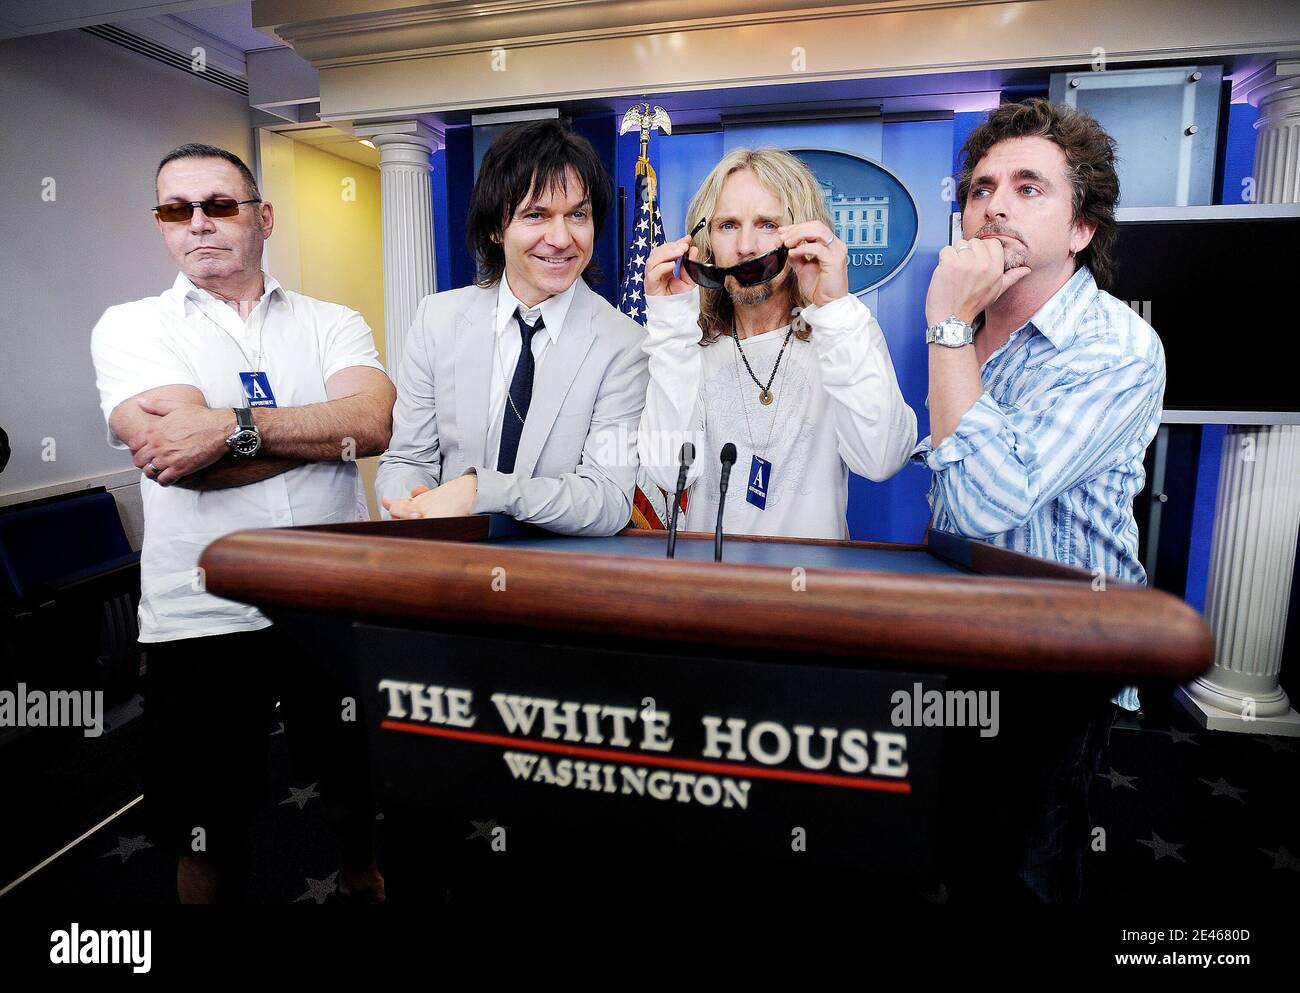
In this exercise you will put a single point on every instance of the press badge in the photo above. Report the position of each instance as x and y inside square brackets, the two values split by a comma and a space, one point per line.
[760, 476]
[257, 389]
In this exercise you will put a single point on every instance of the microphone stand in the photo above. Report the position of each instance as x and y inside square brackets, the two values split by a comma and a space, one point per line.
[687, 458]
[728, 460]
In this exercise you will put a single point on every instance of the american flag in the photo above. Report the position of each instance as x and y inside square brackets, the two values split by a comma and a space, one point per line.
[650, 504]
[647, 233]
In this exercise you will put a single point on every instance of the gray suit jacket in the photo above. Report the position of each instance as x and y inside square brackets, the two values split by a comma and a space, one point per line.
[576, 468]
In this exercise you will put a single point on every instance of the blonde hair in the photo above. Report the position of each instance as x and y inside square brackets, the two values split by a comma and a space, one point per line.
[799, 192]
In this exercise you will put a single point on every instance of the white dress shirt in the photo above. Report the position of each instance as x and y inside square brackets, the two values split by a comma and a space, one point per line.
[187, 336]
[552, 310]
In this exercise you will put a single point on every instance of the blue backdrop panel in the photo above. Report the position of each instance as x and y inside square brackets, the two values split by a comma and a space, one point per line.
[459, 161]
[441, 221]
[602, 131]
[463, 154]
[920, 153]
[1207, 490]
[684, 162]
[859, 137]
[962, 125]
[879, 233]
[1239, 151]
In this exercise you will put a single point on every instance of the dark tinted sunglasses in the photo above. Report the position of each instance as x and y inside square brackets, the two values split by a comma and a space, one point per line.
[215, 207]
[752, 272]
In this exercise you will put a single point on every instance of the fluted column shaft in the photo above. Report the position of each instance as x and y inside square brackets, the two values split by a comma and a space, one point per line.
[405, 163]
[1257, 514]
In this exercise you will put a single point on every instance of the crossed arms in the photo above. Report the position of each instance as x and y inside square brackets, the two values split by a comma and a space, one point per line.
[174, 428]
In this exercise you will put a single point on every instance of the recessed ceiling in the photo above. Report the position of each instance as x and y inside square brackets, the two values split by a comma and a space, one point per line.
[332, 140]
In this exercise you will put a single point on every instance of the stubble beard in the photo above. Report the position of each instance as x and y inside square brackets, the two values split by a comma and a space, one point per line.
[749, 296]
[1014, 259]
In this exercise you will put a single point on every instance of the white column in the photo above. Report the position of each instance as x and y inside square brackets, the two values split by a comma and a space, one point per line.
[405, 150]
[1257, 516]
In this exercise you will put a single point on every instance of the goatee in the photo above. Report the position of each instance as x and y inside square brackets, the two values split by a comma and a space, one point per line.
[749, 296]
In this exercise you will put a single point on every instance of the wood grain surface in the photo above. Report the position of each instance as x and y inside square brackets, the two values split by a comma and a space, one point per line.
[427, 573]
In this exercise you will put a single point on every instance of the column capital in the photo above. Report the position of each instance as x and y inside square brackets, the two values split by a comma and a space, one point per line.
[1269, 82]
[402, 132]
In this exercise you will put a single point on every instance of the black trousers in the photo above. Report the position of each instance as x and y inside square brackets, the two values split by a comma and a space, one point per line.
[209, 705]
[1015, 819]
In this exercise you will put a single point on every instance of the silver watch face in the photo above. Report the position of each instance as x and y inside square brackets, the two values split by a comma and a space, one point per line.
[953, 333]
[245, 442]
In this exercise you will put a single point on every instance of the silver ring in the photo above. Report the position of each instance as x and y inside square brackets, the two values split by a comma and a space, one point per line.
[152, 471]
[964, 248]
[828, 244]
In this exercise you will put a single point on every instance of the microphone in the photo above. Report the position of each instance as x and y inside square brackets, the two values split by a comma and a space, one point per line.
[687, 459]
[728, 460]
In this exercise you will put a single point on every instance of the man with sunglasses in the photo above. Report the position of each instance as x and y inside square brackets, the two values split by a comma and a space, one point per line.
[245, 405]
[765, 347]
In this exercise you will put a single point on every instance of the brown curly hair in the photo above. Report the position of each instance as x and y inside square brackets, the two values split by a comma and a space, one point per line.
[1090, 166]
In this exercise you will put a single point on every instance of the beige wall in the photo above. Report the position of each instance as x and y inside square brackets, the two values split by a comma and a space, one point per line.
[327, 237]
[339, 239]
[95, 119]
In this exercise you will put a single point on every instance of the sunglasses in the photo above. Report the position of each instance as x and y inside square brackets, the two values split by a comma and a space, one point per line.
[214, 207]
[752, 272]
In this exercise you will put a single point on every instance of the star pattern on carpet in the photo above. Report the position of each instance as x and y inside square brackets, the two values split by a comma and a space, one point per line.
[484, 829]
[1223, 788]
[1246, 845]
[126, 847]
[1117, 779]
[300, 797]
[320, 890]
[1162, 848]
[940, 896]
[1282, 859]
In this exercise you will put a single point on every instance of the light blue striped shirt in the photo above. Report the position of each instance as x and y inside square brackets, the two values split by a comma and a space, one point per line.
[1048, 460]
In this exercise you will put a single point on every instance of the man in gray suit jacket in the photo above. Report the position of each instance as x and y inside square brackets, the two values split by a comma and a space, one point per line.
[521, 395]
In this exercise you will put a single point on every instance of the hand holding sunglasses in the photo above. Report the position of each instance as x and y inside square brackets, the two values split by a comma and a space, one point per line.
[660, 269]
[819, 259]
[752, 272]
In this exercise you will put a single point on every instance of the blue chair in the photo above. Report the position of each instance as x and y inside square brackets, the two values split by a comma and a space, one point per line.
[69, 587]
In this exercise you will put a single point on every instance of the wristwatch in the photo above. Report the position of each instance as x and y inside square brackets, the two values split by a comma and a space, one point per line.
[953, 332]
[246, 440]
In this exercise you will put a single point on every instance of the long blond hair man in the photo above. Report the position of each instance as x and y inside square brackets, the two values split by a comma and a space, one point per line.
[804, 387]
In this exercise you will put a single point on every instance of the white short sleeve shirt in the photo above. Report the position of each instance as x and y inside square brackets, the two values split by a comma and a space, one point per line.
[187, 336]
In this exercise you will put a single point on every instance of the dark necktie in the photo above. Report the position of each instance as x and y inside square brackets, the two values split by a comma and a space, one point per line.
[519, 397]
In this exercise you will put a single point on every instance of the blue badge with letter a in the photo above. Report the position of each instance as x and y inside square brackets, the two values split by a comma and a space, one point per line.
[257, 389]
[760, 476]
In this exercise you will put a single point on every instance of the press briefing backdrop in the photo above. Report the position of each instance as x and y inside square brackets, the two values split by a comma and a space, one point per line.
[923, 155]
[918, 153]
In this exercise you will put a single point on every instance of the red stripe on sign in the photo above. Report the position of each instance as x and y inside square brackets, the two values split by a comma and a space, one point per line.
[639, 758]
